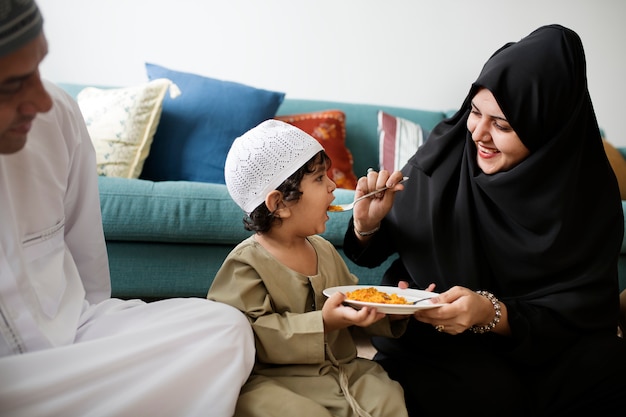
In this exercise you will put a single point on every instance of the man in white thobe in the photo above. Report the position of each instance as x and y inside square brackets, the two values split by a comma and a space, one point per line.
[66, 347]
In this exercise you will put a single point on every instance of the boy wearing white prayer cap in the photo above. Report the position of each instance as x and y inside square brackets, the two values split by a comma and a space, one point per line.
[306, 362]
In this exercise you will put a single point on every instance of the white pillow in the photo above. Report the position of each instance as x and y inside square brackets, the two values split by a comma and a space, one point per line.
[122, 123]
[398, 140]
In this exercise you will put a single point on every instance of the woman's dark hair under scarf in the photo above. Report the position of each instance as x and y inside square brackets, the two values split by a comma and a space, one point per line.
[546, 233]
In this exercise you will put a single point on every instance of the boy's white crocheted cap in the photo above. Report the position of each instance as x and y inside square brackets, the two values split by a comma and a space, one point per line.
[262, 158]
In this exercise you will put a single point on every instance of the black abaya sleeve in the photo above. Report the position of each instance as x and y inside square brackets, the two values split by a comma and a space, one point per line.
[378, 248]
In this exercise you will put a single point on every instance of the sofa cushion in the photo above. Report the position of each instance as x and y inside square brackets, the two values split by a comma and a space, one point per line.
[399, 139]
[185, 212]
[169, 211]
[328, 127]
[197, 129]
[122, 123]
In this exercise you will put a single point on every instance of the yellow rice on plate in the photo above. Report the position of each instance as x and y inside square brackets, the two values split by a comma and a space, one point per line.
[372, 295]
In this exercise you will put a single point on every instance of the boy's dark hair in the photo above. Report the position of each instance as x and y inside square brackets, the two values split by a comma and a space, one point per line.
[261, 219]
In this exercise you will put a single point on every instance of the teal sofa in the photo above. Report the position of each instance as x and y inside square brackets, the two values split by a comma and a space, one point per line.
[168, 239]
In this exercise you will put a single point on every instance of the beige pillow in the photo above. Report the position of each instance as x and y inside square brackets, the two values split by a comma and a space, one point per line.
[122, 123]
[618, 163]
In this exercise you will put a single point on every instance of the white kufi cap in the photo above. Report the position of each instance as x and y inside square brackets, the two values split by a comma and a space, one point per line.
[263, 158]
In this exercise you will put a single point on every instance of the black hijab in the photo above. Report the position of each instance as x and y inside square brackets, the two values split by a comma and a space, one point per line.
[546, 233]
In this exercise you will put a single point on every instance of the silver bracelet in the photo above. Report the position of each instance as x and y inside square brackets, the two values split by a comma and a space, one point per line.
[496, 306]
[368, 233]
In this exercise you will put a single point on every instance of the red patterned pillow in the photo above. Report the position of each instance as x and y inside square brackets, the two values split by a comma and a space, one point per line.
[329, 128]
[399, 139]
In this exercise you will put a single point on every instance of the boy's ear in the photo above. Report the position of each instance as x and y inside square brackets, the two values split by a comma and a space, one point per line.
[275, 204]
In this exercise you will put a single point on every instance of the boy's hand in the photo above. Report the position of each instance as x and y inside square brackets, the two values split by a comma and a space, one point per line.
[338, 316]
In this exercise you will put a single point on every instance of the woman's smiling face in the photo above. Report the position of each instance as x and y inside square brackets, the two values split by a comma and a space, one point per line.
[498, 146]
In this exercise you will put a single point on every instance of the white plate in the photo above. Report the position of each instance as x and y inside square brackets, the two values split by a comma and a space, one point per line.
[409, 294]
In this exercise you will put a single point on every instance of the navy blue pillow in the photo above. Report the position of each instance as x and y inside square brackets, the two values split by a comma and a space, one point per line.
[198, 127]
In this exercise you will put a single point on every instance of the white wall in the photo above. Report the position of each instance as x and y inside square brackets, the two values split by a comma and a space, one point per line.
[412, 53]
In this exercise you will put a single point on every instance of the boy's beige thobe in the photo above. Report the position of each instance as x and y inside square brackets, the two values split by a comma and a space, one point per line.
[300, 370]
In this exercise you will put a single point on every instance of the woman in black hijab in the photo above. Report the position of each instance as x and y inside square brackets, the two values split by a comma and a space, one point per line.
[512, 211]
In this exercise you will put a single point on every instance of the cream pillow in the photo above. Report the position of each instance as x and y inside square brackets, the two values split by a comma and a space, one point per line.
[122, 123]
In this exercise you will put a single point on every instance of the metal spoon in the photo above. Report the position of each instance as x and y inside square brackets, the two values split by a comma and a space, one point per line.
[350, 206]
[423, 299]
